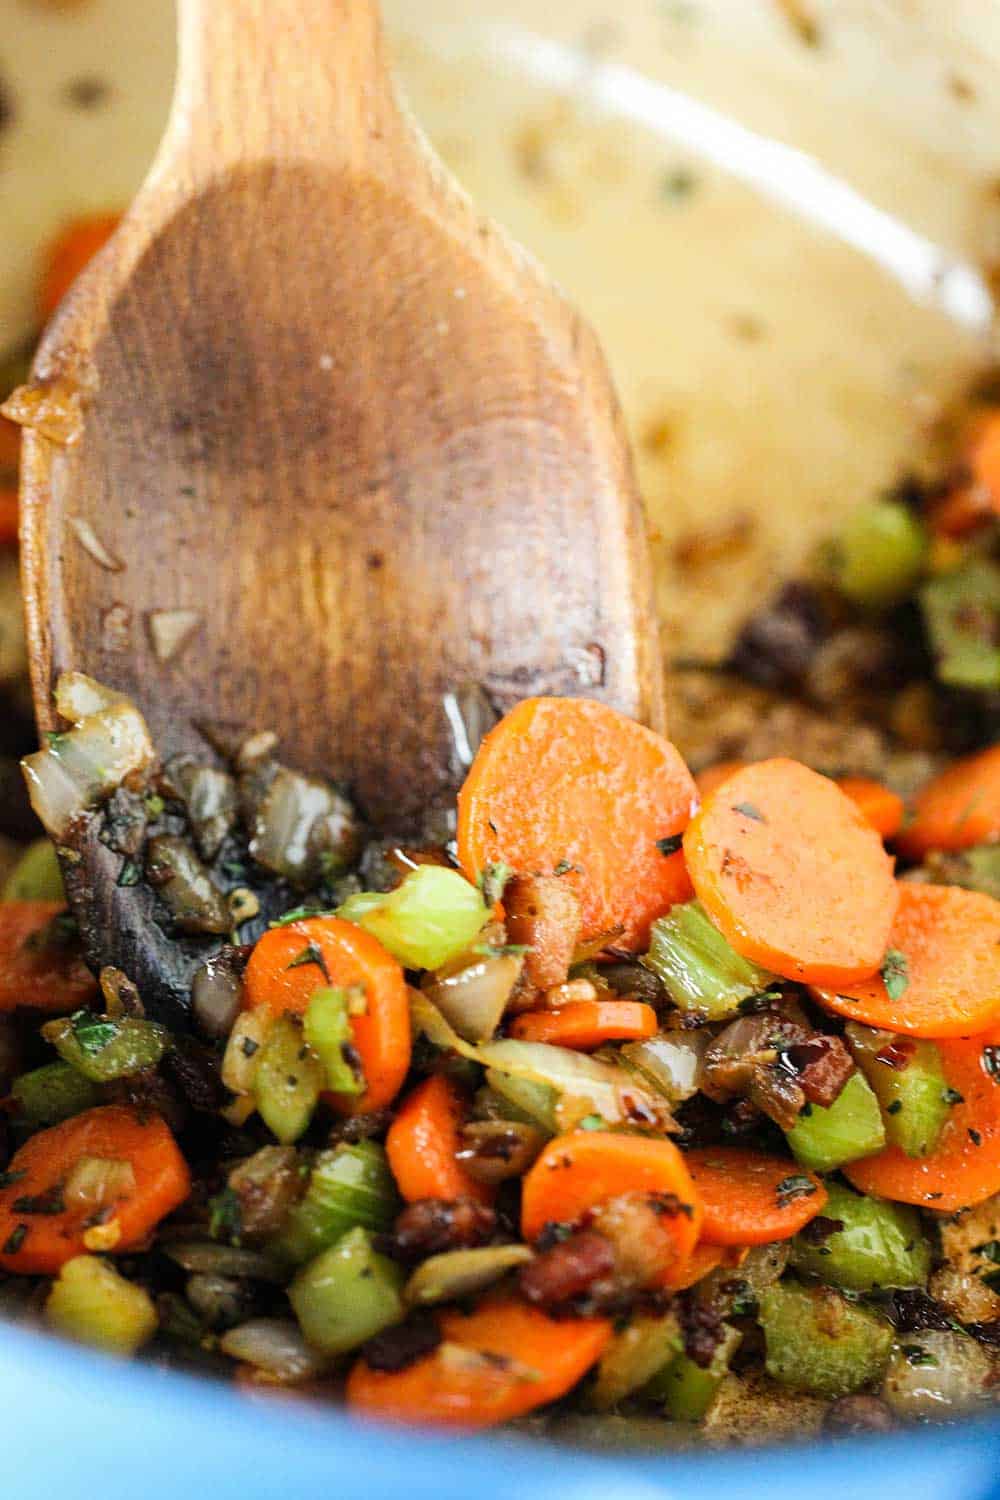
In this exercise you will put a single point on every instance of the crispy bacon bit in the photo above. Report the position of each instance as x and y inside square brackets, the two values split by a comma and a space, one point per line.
[580, 1268]
[823, 1065]
[401, 1346]
[897, 1054]
[430, 1226]
[543, 914]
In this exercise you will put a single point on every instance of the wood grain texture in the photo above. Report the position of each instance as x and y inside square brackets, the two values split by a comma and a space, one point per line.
[341, 418]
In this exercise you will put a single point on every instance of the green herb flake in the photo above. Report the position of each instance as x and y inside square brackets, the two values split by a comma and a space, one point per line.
[952, 1096]
[677, 184]
[895, 1107]
[129, 874]
[8, 1179]
[670, 845]
[225, 1220]
[991, 1063]
[916, 1356]
[154, 805]
[974, 1136]
[15, 1240]
[301, 914]
[493, 880]
[750, 811]
[56, 738]
[50, 1202]
[92, 1033]
[791, 1188]
[566, 867]
[591, 1122]
[311, 954]
[895, 973]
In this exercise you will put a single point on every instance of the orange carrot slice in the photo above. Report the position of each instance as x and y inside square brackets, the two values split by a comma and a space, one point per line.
[422, 1143]
[942, 967]
[40, 966]
[879, 806]
[498, 1362]
[792, 875]
[752, 1199]
[36, 1241]
[567, 783]
[965, 1167]
[279, 980]
[586, 1024]
[959, 808]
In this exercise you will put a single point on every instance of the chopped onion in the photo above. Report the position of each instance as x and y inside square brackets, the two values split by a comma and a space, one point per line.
[242, 1054]
[585, 1085]
[210, 798]
[93, 546]
[170, 630]
[185, 886]
[217, 992]
[474, 998]
[671, 1062]
[462, 1273]
[97, 1181]
[209, 1259]
[935, 1375]
[304, 829]
[83, 766]
[275, 1346]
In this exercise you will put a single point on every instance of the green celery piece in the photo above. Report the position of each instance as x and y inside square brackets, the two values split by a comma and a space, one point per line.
[36, 876]
[825, 1139]
[880, 1245]
[700, 970]
[288, 1080]
[327, 1028]
[432, 916]
[878, 557]
[818, 1342]
[960, 612]
[914, 1098]
[347, 1295]
[531, 1101]
[635, 1356]
[686, 1389]
[93, 1304]
[102, 1048]
[349, 1187]
[52, 1093]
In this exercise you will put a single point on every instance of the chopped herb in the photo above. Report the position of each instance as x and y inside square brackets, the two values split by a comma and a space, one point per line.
[591, 1122]
[49, 1202]
[248, 1046]
[894, 1107]
[952, 1096]
[15, 1240]
[565, 866]
[7, 1179]
[895, 973]
[92, 1033]
[991, 1279]
[154, 804]
[56, 738]
[225, 1220]
[234, 869]
[991, 1063]
[915, 1355]
[990, 1251]
[749, 811]
[678, 183]
[311, 954]
[130, 873]
[791, 1188]
[671, 844]
[300, 914]
[975, 1137]
[493, 880]
[752, 1005]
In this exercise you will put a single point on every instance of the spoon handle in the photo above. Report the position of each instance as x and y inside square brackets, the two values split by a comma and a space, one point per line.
[274, 80]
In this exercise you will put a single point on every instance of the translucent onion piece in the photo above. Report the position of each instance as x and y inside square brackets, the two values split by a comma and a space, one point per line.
[462, 1273]
[672, 1062]
[78, 696]
[473, 999]
[97, 1181]
[935, 1375]
[170, 630]
[209, 1259]
[275, 1346]
[242, 1055]
[216, 993]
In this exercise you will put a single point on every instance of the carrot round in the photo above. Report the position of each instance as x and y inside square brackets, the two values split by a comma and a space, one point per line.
[9, 515]
[279, 980]
[704, 1258]
[586, 1024]
[36, 1241]
[879, 806]
[965, 1167]
[422, 1143]
[712, 777]
[530, 1360]
[792, 875]
[576, 1173]
[76, 244]
[40, 965]
[752, 1199]
[567, 783]
[942, 967]
[959, 808]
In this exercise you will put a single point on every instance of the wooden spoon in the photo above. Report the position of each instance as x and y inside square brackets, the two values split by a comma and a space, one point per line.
[336, 448]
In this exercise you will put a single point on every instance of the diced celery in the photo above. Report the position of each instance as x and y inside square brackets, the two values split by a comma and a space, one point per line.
[879, 554]
[852, 1127]
[961, 611]
[347, 1295]
[880, 1245]
[92, 1303]
[36, 876]
[52, 1093]
[686, 1388]
[102, 1048]
[817, 1341]
[327, 1027]
[432, 916]
[349, 1187]
[634, 1356]
[535, 1102]
[700, 970]
[288, 1080]
[909, 1082]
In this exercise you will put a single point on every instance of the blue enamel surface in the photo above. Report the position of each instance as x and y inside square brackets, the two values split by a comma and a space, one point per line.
[78, 1427]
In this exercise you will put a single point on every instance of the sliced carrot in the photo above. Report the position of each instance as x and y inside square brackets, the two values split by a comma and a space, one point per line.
[704, 1258]
[76, 244]
[586, 1024]
[792, 875]
[36, 1241]
[576, 1173]
[965, 1167]
[879, 806]
[943, 965]
[752, 1199]
[9, 513]
[496, 1363]
[41, 965]
[423, 1141]
[277, 978]
[567, 782]
[959, 808]
[712, 777]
